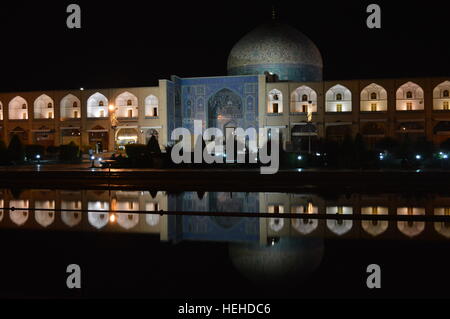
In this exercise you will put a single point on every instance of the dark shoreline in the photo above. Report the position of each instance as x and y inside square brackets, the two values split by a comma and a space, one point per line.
[233, 180]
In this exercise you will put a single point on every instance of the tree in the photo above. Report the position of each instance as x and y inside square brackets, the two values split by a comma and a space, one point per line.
[16, 152]
[153, 146]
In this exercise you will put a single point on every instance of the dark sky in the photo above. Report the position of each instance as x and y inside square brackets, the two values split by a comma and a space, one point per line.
[135, 43]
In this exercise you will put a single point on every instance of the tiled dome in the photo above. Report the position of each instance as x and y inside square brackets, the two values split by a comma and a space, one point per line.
[278, 49]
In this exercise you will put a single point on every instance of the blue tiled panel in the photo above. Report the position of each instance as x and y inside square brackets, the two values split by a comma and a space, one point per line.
[214, 228]
[205, 98]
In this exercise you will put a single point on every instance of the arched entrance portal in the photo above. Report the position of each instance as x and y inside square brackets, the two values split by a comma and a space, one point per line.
[126, 136]
[225, 110]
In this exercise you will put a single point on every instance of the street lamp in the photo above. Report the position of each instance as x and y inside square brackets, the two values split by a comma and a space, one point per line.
[92, 161]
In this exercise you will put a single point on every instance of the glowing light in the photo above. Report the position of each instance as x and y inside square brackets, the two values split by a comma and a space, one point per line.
[38, 156]
[92, 157]
[112, 218]
[445, 156]
[111, 108]
[81, 89]
[318, 154]
[418, 157]
[299, 158]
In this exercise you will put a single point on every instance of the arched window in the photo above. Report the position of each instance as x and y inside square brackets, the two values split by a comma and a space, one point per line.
[18, 109]
[446, 93]
[126, 102]
[338, 99]
[96, 106]
[151, 106]
[69, 107]
[410, 97]
[275, 102]
[373, 96]
[304, 98]
[42, 106]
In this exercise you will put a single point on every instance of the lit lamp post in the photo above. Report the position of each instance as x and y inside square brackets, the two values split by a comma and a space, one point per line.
[114, 122]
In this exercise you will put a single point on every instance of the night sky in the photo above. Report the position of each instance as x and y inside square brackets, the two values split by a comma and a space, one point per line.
[135, 43]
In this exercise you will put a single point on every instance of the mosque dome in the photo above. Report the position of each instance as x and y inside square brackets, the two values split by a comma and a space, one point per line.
[277, 49]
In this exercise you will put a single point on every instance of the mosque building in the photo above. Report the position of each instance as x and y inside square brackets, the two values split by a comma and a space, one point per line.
[274, 81]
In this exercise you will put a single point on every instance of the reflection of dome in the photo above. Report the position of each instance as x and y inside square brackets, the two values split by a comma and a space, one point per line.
[286, 261]
[278, 49]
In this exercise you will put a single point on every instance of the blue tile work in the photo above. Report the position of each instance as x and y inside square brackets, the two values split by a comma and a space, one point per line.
[211, 227]
[216, 101]
[285, 72]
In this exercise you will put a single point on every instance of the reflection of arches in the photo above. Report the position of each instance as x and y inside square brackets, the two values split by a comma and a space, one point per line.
[18, 109]
[411, 228]
[224, 106]
[70, 107]
[339, 226]
[375, 227]
[442, 228]
[43, 107]
[97, 106]
[338, 99]
[303, 98]
[71, 219]
[19, 217]
[128, 221]
[151, 106]
[276, 224]
[410, 97]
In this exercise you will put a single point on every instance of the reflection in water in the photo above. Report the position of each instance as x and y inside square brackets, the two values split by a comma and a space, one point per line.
[305, 226]
[71, 219]
[97, 219]
[44, 218]
[442, 228]
[339, 227]
[287, 261]
[375, 227]
[19, 217]
[411, 228]
[101, 212]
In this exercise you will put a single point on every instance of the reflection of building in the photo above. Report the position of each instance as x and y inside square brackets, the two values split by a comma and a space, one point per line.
[275, 81]
[118, 211]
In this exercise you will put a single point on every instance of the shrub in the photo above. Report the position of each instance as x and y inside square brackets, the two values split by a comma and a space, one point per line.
[138, 155]
[16, 150]
[69, 152]
[153, 146]
[34, 149]
[3, 153]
